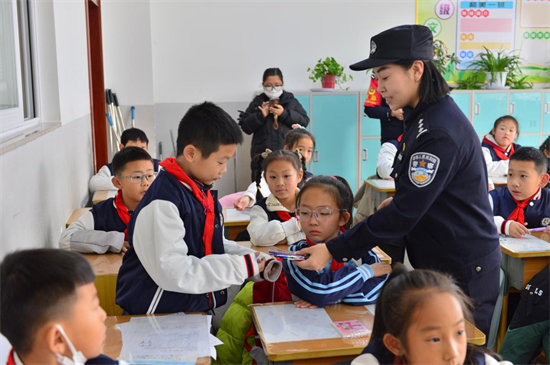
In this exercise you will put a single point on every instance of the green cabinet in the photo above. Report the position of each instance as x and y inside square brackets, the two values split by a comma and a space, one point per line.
[546, 115]
[487, 108]
[369, 154]
[526, 107]
[463, 102]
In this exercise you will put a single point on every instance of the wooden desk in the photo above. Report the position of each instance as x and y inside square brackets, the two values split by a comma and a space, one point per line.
[113, 340]
[384, 257]
[76, 215]
[334, 347]
[499, 181]
[102, 195]
[233, 227]
[106, 268]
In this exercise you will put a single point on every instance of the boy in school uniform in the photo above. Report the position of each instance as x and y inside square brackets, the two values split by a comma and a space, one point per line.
[178, 260]
[104, 228]
[131, 137]
[525, 203]
[50, 311]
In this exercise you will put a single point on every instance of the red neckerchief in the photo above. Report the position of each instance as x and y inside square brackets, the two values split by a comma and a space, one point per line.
[285, 216]
[207, 201]
[501, 152]
[334, 265]
[11, 358]
[122, 213]
[399, 138]
[373, 96]
[517, 214]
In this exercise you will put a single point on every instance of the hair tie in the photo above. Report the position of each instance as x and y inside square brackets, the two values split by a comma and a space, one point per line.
[266, 153]
[297, 126]
[333, 177]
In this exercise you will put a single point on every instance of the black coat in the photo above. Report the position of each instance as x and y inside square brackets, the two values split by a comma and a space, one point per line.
[253, 122]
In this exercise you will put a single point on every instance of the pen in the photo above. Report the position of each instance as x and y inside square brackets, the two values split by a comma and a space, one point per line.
[538, 229]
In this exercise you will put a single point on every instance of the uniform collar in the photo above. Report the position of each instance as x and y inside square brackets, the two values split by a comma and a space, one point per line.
[274, 205]
[412, 114]
[491, 138]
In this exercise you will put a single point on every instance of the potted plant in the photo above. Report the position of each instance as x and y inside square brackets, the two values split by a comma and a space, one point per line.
[443, 61]
[329, 72]
[497, 67]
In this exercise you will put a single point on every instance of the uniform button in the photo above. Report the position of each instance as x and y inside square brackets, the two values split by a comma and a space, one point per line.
[217, 226]
[396, 175]
[222, 292]
[531, 204]
[207, 295]
[345, 260]
[478, 269]
[526, 224]
[530, 293]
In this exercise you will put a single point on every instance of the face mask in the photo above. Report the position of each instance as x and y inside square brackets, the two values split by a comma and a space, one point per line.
[78, 357]
[273, 92]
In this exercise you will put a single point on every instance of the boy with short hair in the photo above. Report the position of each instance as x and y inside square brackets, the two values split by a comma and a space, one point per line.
[525, 203]
[178, 260]
[131, 137]
[50, 311]
[104, 227]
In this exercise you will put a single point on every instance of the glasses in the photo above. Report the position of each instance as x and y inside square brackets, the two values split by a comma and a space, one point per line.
[139, 178]
[321, 214]
[272, 87]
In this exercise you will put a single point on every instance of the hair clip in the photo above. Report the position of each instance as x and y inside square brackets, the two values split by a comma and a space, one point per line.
[297, 126]
[266, 153]
[333, 177]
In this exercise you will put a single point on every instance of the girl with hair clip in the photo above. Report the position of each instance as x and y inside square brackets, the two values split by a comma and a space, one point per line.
[421, 319]
[324, 208]
[498, 145]
[272, 219]
[297, 139]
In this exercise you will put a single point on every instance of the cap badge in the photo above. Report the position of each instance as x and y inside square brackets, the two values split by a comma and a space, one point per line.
[372, 47]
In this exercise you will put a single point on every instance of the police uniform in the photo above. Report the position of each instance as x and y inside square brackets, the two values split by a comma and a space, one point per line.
[440, 208]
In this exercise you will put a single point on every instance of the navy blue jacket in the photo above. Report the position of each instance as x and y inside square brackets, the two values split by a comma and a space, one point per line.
[106, 217]
[440, 208]
[494, 154]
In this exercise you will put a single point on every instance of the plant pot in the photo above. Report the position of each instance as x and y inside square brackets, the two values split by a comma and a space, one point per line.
[498, 81]
[328, 81]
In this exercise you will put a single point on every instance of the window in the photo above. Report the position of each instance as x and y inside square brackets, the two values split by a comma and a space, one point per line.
[18, 112]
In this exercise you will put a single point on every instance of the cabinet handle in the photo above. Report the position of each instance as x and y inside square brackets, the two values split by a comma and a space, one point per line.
[365, 154]
[316, 156]
[512, 108]
[546, 111]
[476, 109]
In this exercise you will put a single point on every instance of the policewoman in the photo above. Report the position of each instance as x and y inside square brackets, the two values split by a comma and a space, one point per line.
[440, 209]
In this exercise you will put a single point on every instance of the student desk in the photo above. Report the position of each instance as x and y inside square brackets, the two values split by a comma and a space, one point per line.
[335, 347]
[76, 215]
[384, 257]
[102, 195]
[520, 267]
[106, 268]
[113, 340]
[233, 227]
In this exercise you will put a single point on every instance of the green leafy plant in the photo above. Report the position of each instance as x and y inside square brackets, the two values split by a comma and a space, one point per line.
[517, 80]
[472, 82]
[329, 66]
[502, 62]
[444, 62]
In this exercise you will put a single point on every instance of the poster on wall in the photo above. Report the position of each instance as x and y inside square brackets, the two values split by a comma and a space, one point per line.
[464, 28]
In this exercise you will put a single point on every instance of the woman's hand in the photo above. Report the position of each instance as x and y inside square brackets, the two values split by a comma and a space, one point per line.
[242, 203]
[385, 203]
[380, 269]
[398, 114]
[277, 110]
[319, 257]
[264, 108]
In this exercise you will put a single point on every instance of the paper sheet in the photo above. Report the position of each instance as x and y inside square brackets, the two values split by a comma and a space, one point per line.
[384, 184]
[165, 339]
[526, 244]
[284, 323]
[233, 215]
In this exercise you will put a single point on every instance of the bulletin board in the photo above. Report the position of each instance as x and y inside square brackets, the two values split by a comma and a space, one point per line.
[464, 27]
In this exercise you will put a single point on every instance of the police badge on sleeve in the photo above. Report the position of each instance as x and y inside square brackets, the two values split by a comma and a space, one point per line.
[423, 168]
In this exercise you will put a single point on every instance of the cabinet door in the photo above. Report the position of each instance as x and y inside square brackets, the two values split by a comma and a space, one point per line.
[487, 108]
[335, 131]
[371, 127]
[546, 115]
[525, 107]
[529, 141]
[369, 154]
[463, 102]
[304, 101]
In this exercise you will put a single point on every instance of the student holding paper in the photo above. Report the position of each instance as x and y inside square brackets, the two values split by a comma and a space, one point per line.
[525, 204]
[440, 209]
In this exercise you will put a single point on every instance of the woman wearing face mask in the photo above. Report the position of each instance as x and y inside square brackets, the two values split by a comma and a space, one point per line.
[271, 114]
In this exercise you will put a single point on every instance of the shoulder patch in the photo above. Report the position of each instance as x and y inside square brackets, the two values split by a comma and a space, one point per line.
[423, 168]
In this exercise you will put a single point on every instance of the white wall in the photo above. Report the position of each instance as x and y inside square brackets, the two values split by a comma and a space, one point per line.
[218, 50]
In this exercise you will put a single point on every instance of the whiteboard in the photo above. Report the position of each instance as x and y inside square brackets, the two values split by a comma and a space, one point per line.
[285, 323]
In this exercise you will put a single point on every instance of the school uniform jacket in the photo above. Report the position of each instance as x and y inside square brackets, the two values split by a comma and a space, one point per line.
[13, 359]
[264, 188]
[102, 180]
[266, 228]
[97, 231]
[384, 160]
[165, 270]
[352, 283]
[440, 209]
[537, 212]
[496, 166]
[377, 354]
